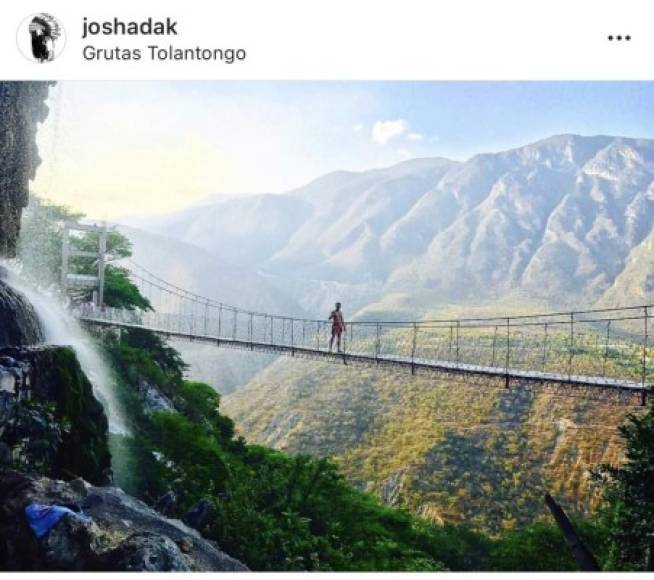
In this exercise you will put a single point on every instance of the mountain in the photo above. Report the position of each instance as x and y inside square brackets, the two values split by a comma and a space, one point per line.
[636, 279]
[193, 268]
[450, 450]
[558, 219]
[567, 220]
[320, 228]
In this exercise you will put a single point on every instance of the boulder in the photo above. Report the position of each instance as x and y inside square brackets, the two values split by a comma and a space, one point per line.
[199, 514]
[147, 552]
[19, 324]
[72, 545]
[124, 534]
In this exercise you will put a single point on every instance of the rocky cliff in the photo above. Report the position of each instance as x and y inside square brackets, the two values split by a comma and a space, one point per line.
[18, 322]
[22, 107]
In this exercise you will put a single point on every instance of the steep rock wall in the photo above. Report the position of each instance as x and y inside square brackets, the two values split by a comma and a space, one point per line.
[22, 108]
[50, 421]
[18, 321]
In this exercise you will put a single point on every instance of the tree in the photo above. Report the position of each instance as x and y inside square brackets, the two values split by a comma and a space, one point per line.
[121, 292]
[628, 510]
[40, 249]
[541, 547]
[39, 246]
[191, 460]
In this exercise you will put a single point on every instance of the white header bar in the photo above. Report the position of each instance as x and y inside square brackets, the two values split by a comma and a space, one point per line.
[336, 39]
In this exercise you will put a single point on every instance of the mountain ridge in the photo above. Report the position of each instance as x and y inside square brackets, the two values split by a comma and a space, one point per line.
[558, 217]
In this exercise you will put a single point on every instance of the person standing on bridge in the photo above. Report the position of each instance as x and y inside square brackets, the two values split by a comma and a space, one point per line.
[338, 327]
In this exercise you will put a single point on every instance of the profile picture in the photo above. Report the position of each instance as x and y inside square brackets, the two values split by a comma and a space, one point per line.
[41, 38]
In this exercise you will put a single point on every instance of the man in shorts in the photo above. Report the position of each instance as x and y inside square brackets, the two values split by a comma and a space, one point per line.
[338, 327]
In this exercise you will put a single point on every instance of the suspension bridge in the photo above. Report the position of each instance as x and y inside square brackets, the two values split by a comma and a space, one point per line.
[602, 348]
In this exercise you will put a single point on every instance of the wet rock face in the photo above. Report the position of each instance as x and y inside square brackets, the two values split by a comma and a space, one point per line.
[124, 534]
[22, 107]
[19, 325]
[200, 513]
[153, 399]
[69, 545]
[50, 421]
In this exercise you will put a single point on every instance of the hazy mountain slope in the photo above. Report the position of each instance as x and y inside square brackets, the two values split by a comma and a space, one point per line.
[449, 450]
[558, 218]
[224, 369]
[342, 239]
[205, 273]
[196, 270]
[302, 232]
[635, 284]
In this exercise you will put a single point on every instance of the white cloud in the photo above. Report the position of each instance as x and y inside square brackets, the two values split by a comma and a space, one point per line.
[415, 137]
[358, 128]
[384, 131]
[405, 153]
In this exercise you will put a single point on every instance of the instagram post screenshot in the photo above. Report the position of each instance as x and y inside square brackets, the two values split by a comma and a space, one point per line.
[356, 287]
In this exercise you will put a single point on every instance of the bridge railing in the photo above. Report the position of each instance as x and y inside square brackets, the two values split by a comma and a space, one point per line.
[614, 344]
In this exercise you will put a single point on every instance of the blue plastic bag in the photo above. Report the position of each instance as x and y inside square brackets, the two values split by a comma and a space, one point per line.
[42, 518]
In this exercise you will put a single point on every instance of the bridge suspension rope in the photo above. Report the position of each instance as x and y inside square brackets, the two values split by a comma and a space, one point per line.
[605, 347]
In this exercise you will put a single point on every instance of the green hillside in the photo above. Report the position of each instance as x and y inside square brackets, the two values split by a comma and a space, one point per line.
[450, 451]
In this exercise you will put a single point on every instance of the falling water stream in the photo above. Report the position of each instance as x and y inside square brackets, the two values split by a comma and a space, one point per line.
[62, 329]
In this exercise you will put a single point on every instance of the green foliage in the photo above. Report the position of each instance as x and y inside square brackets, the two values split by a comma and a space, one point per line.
[541, 547]
[299, 513]
[629, 498]
[459, 547]
[190, 459]
[84, 451]
[121, 292]
[199, 402]
[138, 354]
[118, 246]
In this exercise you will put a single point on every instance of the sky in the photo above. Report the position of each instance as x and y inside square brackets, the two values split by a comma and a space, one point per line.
[113, 149]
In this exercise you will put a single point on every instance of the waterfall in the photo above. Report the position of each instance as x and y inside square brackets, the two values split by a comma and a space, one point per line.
[60, 328]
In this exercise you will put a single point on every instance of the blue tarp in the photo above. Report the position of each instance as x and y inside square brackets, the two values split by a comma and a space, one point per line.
[42, 518]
